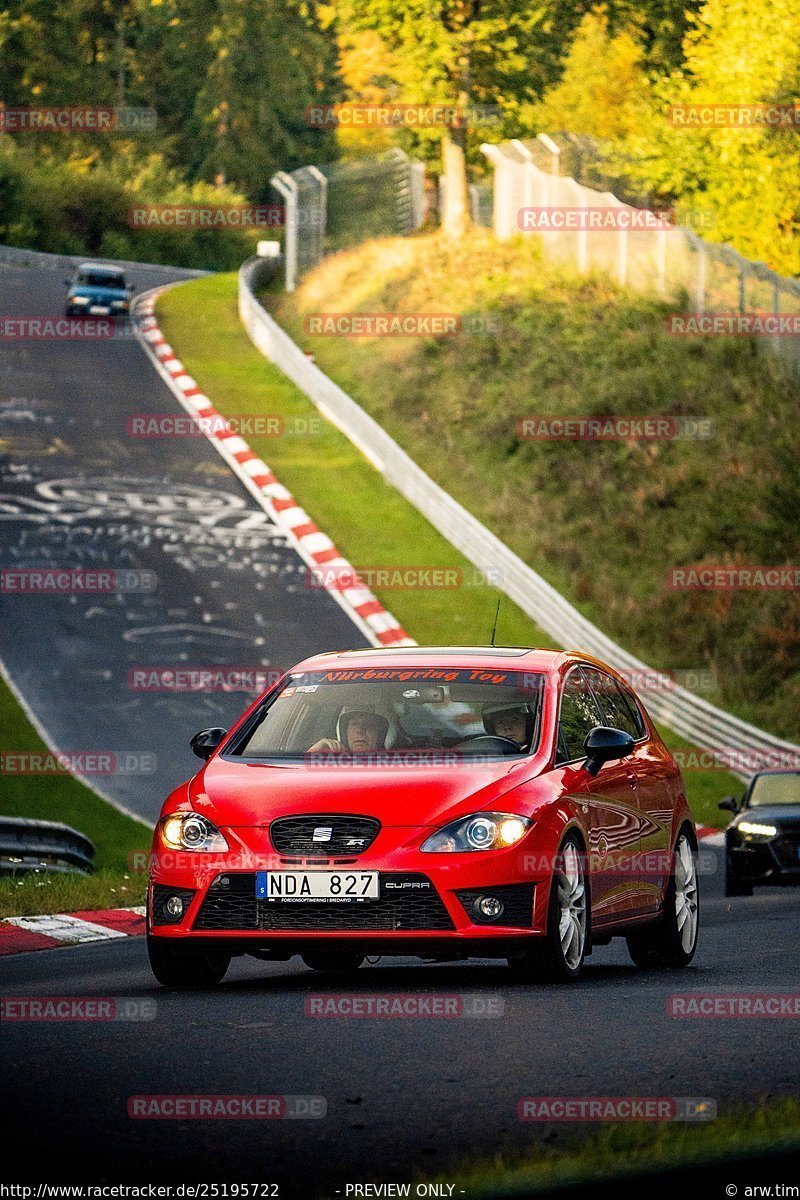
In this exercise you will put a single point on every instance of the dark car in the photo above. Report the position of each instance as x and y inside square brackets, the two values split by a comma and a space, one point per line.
[762, 843]
[98, 291]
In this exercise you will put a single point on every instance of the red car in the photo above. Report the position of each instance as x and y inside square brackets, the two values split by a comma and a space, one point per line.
[442, 803]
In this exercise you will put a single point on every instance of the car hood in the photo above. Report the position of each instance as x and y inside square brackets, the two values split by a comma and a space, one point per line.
[254, 794]
[785, 816]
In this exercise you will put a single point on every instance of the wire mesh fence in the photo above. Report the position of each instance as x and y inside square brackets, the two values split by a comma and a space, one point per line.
[715, 289]
[337, 205]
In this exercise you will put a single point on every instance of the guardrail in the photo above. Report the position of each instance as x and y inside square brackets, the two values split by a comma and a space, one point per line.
[701, 723]
[28, 845]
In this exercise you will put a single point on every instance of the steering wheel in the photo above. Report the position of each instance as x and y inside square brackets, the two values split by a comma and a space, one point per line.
[489, 742]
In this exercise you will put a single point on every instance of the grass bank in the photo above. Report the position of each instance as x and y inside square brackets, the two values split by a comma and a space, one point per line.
[603, 521]
[63, 798]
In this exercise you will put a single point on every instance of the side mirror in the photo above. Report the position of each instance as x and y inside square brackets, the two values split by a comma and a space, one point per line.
[603, 744]
[207, 741]
[730, 803]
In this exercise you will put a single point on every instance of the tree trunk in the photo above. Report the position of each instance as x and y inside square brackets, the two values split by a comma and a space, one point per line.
[456, 217]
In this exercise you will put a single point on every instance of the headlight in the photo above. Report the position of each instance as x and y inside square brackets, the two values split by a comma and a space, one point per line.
[190, 831]
[481, 831]
[79, 300]
[119, 303]
[757, 829]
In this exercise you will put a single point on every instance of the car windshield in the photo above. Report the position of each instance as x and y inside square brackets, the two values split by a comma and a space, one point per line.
[101, 279]
[780, 788]
[386, 712]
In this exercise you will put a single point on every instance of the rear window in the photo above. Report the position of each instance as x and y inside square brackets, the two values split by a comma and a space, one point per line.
[101, 279]
[382, 712]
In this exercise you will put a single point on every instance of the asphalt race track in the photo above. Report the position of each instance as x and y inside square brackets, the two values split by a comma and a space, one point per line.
[77, 491]
[404, 1095]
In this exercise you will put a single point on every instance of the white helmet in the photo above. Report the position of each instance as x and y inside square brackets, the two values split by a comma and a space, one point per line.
[387, 735]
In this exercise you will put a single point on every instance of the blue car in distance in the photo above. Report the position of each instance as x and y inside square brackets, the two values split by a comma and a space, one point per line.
[98, 291]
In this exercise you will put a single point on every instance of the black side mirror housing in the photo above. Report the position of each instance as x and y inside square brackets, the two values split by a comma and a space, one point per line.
[730, 803]
[207, 741]
[604, 744]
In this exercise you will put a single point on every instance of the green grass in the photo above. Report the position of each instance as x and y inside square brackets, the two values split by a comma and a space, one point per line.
[602, 522]
[615, 1151]
[63, 798]
[368, 520]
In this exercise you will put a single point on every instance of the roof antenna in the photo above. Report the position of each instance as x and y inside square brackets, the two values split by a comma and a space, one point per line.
[496, 615]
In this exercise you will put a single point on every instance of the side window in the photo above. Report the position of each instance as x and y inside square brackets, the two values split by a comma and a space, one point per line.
[613, 704]
[579, 714]
[636, 712]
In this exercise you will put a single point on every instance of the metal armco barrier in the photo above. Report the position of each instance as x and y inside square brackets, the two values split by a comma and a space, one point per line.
[701, 723]
[27, 845]
[14, 256]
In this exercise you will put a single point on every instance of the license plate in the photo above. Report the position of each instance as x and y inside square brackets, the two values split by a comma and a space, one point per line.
[99, 310]
[334, 887]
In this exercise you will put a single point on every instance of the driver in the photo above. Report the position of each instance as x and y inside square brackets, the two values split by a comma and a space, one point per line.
[514, 722]
[359, 730]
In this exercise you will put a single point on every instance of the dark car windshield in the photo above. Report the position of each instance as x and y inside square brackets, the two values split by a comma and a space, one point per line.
[101, 279]
[385, 712]
[781, 788]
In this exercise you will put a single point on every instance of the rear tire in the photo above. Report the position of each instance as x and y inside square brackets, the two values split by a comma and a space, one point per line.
[333, 960]
[671, 941]
[175, 968]
[559, 958]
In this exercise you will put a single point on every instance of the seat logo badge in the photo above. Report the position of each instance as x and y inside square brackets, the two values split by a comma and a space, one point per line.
[323, 833]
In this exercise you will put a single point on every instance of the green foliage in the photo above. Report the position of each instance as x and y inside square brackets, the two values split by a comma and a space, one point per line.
[744, 181]
[81, 206]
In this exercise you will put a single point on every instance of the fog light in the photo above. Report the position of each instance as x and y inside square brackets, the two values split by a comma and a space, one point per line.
[174, 906]
[490, 906]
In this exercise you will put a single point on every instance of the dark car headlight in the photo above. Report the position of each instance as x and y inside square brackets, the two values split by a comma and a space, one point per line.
[79, 299]
[191, 831]
[757, 829]
[479, 831]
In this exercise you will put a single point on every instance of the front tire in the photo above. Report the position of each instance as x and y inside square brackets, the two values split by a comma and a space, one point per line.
[173, 967]
[672, 940]
[332, 960]
[560, 957]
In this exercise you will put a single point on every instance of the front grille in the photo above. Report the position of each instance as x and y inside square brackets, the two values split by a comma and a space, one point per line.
[517, 900]
[161, 893]
[787, 852]
[337, 835]
[398, 908]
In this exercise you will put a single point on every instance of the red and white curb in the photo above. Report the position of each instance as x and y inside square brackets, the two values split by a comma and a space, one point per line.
[711, 835]
[20, 934]
[314, 547]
